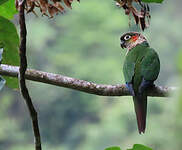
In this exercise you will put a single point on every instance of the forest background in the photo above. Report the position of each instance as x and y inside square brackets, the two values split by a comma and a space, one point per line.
[84, 43]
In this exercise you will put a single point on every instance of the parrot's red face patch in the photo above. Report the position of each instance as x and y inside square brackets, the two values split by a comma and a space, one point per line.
[134, 38]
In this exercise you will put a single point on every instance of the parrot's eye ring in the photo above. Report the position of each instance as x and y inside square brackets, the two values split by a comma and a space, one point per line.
[127, 37]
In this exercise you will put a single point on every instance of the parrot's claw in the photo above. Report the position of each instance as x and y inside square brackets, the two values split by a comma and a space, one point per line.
[130, 88]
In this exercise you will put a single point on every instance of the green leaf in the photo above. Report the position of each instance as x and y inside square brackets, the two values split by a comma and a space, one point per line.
[113, 148]
[152, 1]
[9, 40]
[7, 9]
[140, 147]
[3, 1]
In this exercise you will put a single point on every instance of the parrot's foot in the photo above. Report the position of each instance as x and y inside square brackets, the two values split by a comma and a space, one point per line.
[130, 88]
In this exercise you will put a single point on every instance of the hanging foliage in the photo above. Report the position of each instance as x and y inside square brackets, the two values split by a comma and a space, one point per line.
[140, 16]
[47, 8]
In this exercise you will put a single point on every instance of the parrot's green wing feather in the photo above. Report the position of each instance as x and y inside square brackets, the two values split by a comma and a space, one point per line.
[128, 70]
[150, 65]
[131, 60]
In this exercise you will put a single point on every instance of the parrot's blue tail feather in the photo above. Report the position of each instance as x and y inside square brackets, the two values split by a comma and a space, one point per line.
[140, 103]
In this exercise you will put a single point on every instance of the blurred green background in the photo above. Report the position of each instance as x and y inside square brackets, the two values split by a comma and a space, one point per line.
[84, 43]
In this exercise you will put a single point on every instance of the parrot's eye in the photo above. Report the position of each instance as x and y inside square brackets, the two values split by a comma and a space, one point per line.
[127, 37]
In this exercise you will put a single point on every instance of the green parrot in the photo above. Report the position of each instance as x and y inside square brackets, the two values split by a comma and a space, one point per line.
[141, 68]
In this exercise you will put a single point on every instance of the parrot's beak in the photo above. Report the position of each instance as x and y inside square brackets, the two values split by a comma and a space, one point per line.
[122, 44]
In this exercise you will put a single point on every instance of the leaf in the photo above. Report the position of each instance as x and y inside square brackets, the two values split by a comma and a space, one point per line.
[113, 148]
[3, 1]
[152, 1]
[9, 40]
[67, 3]
[140, 147]
[8, 9]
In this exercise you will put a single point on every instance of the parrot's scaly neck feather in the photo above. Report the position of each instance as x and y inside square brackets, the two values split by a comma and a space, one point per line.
[140, 40]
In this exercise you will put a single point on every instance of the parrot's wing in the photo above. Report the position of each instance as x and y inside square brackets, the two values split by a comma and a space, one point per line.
[150, 65]
[128, 70]
[131, 61]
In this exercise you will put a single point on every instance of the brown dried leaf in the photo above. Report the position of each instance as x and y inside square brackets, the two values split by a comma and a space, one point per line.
[67, 3]
[45, 6]
[52, 10]
[136, 18]
[30, 7]
[139, 15]
[59, 7]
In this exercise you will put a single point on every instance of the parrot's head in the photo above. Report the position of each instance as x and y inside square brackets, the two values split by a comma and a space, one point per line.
[131, 39]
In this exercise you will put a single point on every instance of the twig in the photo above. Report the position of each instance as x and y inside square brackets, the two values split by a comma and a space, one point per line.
[22, 70]
[80, 85]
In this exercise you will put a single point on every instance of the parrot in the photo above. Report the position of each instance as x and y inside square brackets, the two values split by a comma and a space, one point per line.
[141, 68]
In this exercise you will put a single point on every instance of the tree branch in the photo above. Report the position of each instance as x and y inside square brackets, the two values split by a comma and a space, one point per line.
[22, 70]
[80, 85]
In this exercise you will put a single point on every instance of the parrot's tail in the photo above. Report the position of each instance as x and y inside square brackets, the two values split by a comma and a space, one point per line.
[140, 103]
